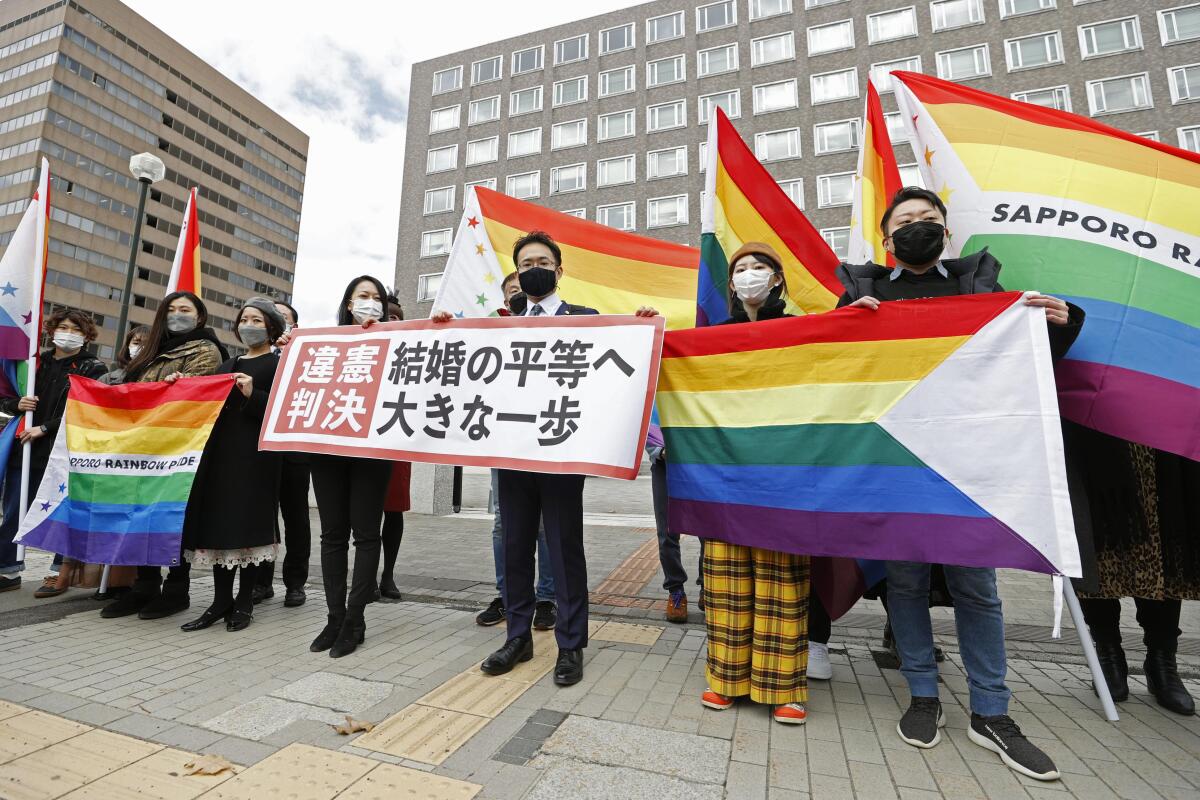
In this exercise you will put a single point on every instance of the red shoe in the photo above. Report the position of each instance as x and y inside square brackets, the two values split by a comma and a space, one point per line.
[791, 714]
[718, 702]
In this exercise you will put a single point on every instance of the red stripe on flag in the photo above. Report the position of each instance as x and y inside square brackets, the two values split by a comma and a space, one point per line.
[139, 396]
[883, 155]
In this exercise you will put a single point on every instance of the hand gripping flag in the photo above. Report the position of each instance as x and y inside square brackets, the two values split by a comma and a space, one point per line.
[1094, 215]
[610, 270]
[875, 183]
[118, 480]
[925, 431]
[185, 269]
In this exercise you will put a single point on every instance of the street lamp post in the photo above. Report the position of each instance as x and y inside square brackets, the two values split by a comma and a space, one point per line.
[147, 168]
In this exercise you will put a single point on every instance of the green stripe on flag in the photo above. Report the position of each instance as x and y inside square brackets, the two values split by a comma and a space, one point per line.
[131, 489]
[821, 445]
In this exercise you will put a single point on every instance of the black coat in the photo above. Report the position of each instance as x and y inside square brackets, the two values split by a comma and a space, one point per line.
[51, 386]
[235, 496]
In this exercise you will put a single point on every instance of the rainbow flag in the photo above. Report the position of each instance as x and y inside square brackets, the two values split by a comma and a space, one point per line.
[610, 270]
[23, 277]
[185, 269]
[121, 471]
[743, 203]
[876, 182]
[925, 431]
[1089, 213]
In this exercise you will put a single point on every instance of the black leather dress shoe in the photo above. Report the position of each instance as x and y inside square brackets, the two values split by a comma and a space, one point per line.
[1114, 668]
[294, 597]
[1162, 679]
[503, 660]
[237, 620]
[205, 620]
[568, 671]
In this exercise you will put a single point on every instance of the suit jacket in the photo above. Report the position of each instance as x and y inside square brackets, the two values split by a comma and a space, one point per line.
[566, 308]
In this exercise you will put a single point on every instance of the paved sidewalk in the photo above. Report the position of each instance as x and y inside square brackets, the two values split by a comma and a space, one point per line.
[97, 707]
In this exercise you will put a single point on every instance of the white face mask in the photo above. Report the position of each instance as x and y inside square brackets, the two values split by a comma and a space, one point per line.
[753, 285]
[363, 309]
[68, 342]
[134, 349]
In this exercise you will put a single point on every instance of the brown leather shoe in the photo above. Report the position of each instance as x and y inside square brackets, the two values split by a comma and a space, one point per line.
[52, 586]
[677, 607]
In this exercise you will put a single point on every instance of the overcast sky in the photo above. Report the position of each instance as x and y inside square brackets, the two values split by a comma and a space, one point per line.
[339, 71]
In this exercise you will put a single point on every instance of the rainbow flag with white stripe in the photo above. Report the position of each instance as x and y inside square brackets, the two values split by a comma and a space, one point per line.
[118, 480]
[185, 269]
[1100, 217]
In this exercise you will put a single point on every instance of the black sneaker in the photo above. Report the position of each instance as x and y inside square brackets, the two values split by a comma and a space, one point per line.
[545, 615]
[1001, 735]
[260, 593]
[9, 582]
[919, 725]
[493, 614]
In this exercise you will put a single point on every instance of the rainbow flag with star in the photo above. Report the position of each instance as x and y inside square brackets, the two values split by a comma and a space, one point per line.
[877, 181]
[743, 203]
[612, 271]
[925, 431]
[118, 480]
[1100, 217]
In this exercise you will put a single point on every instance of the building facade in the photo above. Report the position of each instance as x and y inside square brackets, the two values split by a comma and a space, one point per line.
[89, 84]
[607, 117]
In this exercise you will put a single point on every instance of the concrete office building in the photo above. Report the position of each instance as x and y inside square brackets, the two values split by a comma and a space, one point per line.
[89, 84]
[606, 117]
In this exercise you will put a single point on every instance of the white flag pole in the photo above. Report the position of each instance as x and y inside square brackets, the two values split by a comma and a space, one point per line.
[1089, 652]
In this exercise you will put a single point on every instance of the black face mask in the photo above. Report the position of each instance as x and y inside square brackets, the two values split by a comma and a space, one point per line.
[518, 303]
[538, 282]
[919, 243]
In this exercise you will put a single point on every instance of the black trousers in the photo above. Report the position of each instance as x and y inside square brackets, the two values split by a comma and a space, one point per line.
[674, 576]
[150, 580]
[558, 501]
[819, 623]
[350, 494]
[297, 532]
[1159, 620]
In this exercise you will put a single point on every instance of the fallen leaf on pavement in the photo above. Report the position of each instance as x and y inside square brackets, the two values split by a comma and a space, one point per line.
[207, 765]
[353, 725]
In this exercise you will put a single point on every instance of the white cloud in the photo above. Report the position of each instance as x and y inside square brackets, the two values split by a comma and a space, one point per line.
[340, 73]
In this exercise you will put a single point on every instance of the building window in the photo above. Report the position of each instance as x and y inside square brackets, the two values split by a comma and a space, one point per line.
[1180, 24]
[835, 190]
[950, 14]
[570, 50]
[730, 102]
[666, 116]
[617, 215]
[831, 37]
[772, 49]
[895, 127]
[881, 73]
[570, 91]
[819, 3]
[579, 213]
[1189, 138]
[447, 80]
[665, 71]
[778, 96]
[716, 15]
[524, 143]
[837, 137]
[525, 101]
[663, 212]
[485, 183]
[702, 156]
[617, 81]
[667, 163]
[716, 60]
[439, 200]
[487, 70]
[571, 178]
[615, 171]
[1151, 135]
[964, 63]
[794, 189]
[427, 287]
[1107, 38]
[616, 125]
[1038, 50]
[1058, 97]
[435, 243]
[568, 134]
[1013, 8]
[524, 185]
[838, 240]
[440, 159]
[887, 26]
[910, 175]
[486, 109]
[833, 86]
[483, 151]
[664, 28]
[777, 145]
[527, 60]
[1185, 83]
[761, 9]
[1124, 93]
[444, 119]
[614, 40]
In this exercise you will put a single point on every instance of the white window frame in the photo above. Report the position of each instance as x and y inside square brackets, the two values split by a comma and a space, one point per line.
[508, 143]
[554, 171]
[586, 45]
[700, 73]
[499, 59]
[732, 23]
[1103, 113]
[916, 25]
[487, 183]
[630, 112]
[1046, 5]
[630, 205]
[495, 140]
[632, 38]
[682, 220]
[1181, 137]
[754, 96]
[537, 173]
[431, 190]
[424, 293]
[559, 125]
[1175, 98]
[541, 61]
[471, 107]
[629, 70]
[822, 181]
[1162, 24]
[933, 17]
[987, 53]
[920, 181]
[900, 135]
[822, 3]
[424, 241]
[855, 138]
[457, 107]
[790, 157]
[753, 16]
[579, 213]
[737, 94]
[457, 81]
[538, 90]
[813, 95]
[828, 233]
[682, 61]
[1082, 31]
[884, 88]
[839, 22]
[787, 35]
[799, 182]
[650, 176]
[680, 104]
[1046, 36]
[682, 27]
[1066, 93]
[452, 148]
[629, 159]
[556, 102]
[1151, 135]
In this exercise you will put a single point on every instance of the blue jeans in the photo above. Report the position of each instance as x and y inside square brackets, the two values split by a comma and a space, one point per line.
[977, 618]
[545, 585]
[12, 518]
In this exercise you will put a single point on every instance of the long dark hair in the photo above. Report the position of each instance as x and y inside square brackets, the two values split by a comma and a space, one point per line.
[123, 358]
[159, 333]
[344, 316]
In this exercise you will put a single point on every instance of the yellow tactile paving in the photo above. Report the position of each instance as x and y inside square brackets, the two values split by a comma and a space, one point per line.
[390, 782]
[475, 693]
[8, 709]
[296, 771]
[25, 733]
[422, 733]
[627, 633]
[70, 764]
[159, 776]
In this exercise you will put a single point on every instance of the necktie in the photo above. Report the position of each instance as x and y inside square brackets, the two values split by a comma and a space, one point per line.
[537, 310]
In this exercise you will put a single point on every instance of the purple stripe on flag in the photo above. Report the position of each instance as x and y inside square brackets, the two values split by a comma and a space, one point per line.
[14, 344]
[886, 536]
[1133, 405]
[120, 549]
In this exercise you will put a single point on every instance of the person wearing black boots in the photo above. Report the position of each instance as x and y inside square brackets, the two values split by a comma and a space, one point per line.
[350, 494]
[396, 503]
[1137, 510]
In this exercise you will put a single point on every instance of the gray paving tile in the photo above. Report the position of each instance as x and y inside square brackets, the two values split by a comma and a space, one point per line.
[565, 777]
